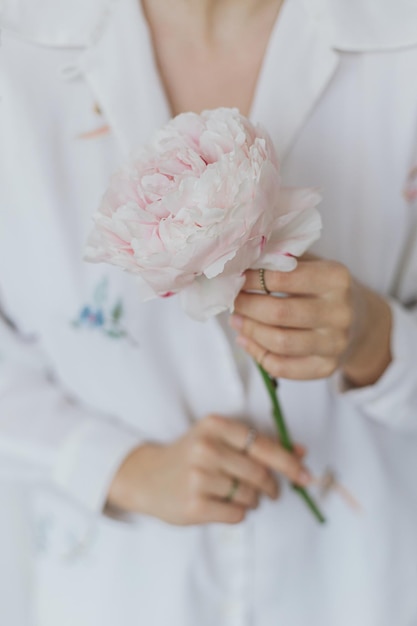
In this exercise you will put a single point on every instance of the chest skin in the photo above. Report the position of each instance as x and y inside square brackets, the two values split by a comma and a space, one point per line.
[205, 64]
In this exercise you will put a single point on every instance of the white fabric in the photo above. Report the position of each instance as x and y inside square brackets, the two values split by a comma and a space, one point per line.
[355, 25]
[77, 394]
[16, 567]
[55, 22]
[367, 25]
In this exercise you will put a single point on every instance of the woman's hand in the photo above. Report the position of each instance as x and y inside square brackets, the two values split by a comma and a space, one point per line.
[188, 481]
[327, 321]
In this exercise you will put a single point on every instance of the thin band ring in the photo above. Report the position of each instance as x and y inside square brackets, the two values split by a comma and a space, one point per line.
[250, 439]
[262, 281]
[233, 489]
[263, 357]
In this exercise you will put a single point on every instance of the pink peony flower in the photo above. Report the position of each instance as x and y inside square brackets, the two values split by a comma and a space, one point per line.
[198, 207]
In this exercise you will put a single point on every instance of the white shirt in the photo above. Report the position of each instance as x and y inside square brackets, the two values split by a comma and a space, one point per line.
[87, 371]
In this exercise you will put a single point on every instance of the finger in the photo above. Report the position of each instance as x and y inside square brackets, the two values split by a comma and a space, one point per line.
[210, 450]
[210, 510]
[250, 469]
[247, 496]
[234, 434]
[311, 276]
[300, 450]
[293, 368]
[219, 486]
[228, 430]
[271, 453]
[292, 312]
[291, 342]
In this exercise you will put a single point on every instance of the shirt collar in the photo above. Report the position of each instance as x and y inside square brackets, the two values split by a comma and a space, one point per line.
[352, 25]
[56, 23]
[120, 68]
[366, 25]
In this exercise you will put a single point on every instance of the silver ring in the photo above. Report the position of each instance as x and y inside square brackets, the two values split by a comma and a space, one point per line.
[233, 489]
[250, 439]
[262, 281]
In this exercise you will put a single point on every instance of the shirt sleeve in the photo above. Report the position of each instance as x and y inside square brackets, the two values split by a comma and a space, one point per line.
[48, 437]
[392, 400]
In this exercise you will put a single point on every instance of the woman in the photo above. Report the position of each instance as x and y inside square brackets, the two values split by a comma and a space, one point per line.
[149, 435]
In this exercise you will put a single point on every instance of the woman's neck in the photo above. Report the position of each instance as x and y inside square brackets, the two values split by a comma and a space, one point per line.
[208, 62]
[213, 19]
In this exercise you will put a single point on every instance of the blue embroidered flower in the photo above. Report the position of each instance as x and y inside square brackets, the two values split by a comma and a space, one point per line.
[89, 317]
[100, 316]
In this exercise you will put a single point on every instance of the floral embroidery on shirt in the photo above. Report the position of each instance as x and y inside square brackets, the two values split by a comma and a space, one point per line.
[77, 547]
[69, 545]
[329, 483]
[103, 316]
[99, 131]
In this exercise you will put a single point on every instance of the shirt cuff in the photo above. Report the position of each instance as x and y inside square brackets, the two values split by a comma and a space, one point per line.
[89, 460]
[392, 400]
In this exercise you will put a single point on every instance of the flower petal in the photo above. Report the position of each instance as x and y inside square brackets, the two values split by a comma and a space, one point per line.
[205, 298]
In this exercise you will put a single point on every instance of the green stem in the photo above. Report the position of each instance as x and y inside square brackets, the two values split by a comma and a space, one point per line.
[285, 438]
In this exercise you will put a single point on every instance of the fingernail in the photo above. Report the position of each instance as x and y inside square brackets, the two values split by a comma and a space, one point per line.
[300, 450]
[242, 341]
[304, 477]
[236, 322]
